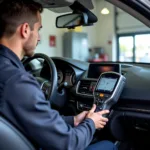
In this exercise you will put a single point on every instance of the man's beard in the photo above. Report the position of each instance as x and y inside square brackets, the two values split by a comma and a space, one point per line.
[29, 47]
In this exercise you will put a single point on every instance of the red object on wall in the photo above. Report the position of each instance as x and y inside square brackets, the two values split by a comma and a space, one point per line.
[110, 42]
[52, 40]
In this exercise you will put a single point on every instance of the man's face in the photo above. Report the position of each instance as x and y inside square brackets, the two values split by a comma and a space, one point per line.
[33, 39]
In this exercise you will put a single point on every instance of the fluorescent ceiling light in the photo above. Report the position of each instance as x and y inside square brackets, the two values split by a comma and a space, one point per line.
[105, 11]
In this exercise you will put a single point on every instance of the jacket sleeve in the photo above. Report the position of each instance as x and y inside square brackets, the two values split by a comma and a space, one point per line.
[25, 105]
[69, 120]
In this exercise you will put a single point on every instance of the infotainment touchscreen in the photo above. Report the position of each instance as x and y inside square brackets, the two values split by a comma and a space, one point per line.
[95, 70]
[106, 84]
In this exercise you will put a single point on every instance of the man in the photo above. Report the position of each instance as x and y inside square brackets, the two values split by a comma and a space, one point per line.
[21, 100]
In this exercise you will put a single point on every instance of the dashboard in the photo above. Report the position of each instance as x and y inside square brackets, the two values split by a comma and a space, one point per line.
[82, 77]
[134, 103]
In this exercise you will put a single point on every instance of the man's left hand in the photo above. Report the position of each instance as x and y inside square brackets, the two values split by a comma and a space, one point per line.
[79, 118]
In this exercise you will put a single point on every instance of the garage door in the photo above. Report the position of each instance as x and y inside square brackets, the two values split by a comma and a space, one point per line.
[125, 23]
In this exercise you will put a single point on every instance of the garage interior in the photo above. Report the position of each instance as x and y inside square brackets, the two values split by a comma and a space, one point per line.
[117, 36]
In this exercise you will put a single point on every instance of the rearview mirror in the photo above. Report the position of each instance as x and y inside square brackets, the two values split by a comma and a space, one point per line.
[81, 16]
[69, 21]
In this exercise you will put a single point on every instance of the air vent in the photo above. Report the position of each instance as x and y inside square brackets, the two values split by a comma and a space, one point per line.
[85, 87]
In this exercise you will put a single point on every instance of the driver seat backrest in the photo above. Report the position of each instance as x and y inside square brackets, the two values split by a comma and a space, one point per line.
[11, 138]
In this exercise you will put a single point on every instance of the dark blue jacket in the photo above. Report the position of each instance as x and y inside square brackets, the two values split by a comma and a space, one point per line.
[23, 103]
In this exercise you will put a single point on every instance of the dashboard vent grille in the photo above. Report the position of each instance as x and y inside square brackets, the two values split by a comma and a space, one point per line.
[85, 87]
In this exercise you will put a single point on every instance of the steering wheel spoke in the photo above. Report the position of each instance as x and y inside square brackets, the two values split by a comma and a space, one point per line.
[45, 86]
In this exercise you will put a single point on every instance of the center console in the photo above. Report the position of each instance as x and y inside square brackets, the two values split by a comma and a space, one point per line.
[86, 86]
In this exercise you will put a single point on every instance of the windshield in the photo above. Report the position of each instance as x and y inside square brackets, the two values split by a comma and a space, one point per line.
[117, 36]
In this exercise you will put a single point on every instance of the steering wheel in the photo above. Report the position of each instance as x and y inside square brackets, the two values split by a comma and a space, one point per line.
[49, 87]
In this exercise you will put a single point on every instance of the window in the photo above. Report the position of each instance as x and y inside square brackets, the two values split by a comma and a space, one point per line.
[126, 48]
[134, 48]
[142, 48]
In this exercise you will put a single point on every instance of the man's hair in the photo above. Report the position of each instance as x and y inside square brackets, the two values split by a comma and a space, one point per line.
[16, 12]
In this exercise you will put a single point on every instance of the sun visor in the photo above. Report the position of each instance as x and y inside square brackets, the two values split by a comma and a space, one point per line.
[61, 9]
[55, 3]
[87, 3]
[62, 6]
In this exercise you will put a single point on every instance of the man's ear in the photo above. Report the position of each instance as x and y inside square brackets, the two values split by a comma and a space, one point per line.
[25, 30]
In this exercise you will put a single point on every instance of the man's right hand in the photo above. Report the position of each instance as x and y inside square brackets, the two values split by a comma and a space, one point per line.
[97, 117]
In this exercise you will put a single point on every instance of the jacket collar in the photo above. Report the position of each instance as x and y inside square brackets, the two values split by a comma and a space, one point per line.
[6, 52]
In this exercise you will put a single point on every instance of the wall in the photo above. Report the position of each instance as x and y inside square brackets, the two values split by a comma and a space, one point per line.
[105, 29]
[99, 35]
[48, 21]
[92, 30]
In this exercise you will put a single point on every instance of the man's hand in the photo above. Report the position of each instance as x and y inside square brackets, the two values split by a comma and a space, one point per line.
[79, 118]
[97, 117]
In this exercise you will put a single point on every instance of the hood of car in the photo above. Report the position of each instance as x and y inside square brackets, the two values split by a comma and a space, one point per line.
[139, 9]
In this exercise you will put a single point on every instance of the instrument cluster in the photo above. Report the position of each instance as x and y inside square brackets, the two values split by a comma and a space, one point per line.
[66, 75]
